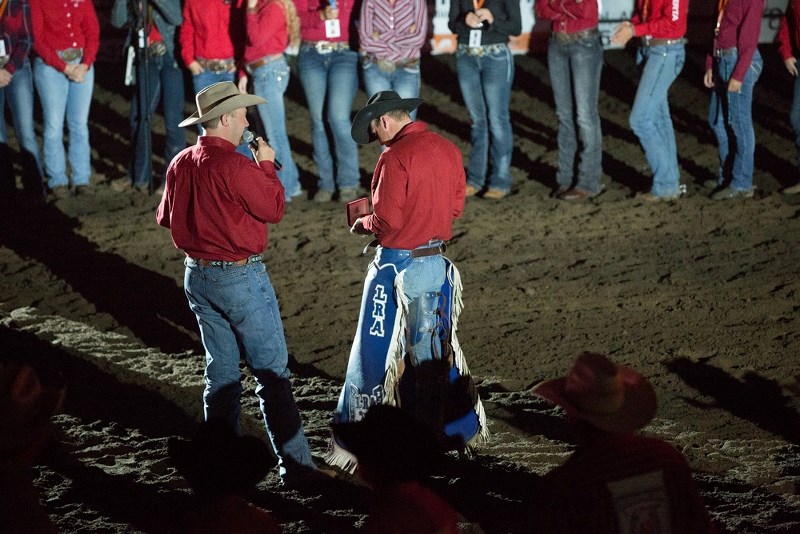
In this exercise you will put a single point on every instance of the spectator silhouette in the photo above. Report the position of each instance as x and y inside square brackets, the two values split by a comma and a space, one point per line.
[27, 400]
[221, 467]
[615, 481]
[395, 452]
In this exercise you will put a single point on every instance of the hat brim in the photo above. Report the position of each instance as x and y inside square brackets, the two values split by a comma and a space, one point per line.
[225, 106]
[361, 131]
[638, 408]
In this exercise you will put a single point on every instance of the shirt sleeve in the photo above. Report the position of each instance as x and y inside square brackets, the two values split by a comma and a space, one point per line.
[186, 34]
[170, 10]
[747, 40]
[783, 38]
[90, 27]
[258, 189]
[40, 41]
[388, 197]
[668, 18]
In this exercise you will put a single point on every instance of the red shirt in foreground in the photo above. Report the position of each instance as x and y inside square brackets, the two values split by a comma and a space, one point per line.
[417, 189]
[217, 202]
[622, 483]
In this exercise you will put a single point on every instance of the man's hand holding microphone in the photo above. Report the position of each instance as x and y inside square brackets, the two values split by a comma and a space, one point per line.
[261, 150]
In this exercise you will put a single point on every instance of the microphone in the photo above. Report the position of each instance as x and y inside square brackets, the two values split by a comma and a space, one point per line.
[252, 140]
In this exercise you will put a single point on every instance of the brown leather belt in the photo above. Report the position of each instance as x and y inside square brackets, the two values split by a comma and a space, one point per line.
[662, 42]
[566, 38]
[722, 52]
[221, 263]
[428, 251]
[253, 65]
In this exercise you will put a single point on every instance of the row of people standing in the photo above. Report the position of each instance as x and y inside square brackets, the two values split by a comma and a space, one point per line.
[65, 37]
[390, 36]
[732, 67]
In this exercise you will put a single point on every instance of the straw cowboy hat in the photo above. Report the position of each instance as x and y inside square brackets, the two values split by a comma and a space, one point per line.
[217, 99]
[378, 104]
[611, 397]
[390, 442]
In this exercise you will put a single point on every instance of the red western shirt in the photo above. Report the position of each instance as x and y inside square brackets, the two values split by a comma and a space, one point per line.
[621, 483]
[312, 27]
[206, 32]
[417, 189]
[789, 31]
[660, 19]
[217, 202]
[59, 24]
[739, 27]
[266, 31]
[568, 16]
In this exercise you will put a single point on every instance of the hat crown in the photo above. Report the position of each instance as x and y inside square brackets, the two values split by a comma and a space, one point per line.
[595, 384]
[209, 97]
[383, 96]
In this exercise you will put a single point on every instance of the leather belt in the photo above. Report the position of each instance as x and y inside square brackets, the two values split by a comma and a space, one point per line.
[325, 47]
[566, 38]
[483, 50]
[428, 251]
[650, 41]
[253, 65]
[722, 52]
[216, 65]
[70, 54]
[387, 65]
[256, 258]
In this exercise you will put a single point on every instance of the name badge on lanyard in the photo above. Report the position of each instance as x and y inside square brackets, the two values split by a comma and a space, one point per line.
[476, 35]
[332, 28]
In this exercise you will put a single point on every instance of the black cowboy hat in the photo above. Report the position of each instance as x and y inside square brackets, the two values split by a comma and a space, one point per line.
[217, 460]
[390, 442]
[378, 104]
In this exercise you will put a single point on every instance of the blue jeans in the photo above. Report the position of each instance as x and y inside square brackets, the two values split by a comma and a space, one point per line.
[270, 82]
[405, 82]
[165, 81]
[203, 80]
[331, 79]
[794, 116]
[486, 88]
[422, 285]
[575, 76]
[731, 117]
[19, 94]
[238, 315]
[63, 99]
[650, 117]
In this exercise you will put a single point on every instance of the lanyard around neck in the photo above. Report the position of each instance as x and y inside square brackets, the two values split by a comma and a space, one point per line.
[720, 11]
[3, 5]
[477, 4]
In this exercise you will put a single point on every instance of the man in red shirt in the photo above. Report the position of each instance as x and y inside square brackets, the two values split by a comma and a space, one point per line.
[411, 296]
[217, 204]
[615, 481]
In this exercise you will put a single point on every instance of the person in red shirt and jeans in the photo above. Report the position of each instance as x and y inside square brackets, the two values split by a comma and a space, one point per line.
[788, 46]
[217, 205]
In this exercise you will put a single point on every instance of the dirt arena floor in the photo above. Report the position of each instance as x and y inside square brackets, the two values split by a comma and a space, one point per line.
[702, 297]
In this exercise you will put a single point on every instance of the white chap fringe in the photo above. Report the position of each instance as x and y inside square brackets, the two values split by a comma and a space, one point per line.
[397, 347]
[338, 457]
[458, 355]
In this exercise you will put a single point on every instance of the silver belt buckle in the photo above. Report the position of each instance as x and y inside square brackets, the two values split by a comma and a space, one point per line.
[323, 47]
[216, 66]
[476, 51]
[70, 54]
[4, 61]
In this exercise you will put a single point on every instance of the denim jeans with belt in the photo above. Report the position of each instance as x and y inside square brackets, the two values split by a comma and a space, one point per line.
[238, 315]
[331, 79]
[575, 69]
[405, 81]
[19, 95]
[270, 82]
[63, 99]
[422, 284]
[165, 82]
[731, 117]
[485, 83]
[650, 117]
